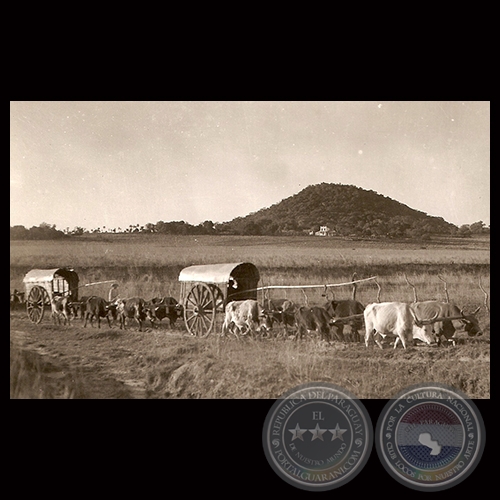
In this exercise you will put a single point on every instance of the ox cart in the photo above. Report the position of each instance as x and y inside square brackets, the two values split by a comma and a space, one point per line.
[206, 289]
[41, 285]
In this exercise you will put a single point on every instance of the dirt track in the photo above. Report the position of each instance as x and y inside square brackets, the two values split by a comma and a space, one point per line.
[72, 361]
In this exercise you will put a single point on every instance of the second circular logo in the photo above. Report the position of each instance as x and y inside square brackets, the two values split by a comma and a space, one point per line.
[430, 437]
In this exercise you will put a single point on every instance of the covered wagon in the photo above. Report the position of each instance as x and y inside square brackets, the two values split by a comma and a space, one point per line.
[43, 284]
[206, 289]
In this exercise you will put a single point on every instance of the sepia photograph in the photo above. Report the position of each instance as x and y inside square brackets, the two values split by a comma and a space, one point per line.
[237, 249]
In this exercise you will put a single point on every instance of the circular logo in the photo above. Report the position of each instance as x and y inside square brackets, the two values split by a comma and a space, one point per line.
[317, 436]
[430, 437]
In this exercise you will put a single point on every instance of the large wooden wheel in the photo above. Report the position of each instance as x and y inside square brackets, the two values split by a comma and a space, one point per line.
[200, 309]
[35, 303]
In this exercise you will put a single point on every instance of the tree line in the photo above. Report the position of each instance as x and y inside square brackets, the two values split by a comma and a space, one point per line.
[345, 209]
[400, 227]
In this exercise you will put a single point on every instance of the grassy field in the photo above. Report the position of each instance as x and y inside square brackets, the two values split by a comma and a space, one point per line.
[148, 265]
[70, 361]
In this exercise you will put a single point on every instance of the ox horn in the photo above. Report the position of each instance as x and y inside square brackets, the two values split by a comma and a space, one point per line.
[435, 319]
[354, 285]
[473, 313]
[421, 322]
[306, 299]
[415, 298]
[485, 295]
[445, 288]
[379, 290]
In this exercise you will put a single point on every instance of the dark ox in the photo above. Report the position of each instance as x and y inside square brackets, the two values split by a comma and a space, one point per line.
[247, 316]
[131, 308]
[281, 311]
[78, 308]
[445, 328]
[342, 309]
[316, 319]
[165, 307]
[97, 307]
[16, 298]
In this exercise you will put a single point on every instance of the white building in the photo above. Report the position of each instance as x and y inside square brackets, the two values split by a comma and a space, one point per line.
[323, 231]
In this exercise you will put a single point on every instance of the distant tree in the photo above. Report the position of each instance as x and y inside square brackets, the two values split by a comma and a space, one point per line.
[252, 228]
[18, 233]
[208, 227]
[477, 227]
[379, 228]
[42, 232]
[161, 227]
[464, 231]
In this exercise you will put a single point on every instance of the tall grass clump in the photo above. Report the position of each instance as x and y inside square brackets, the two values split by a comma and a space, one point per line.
[31, 377]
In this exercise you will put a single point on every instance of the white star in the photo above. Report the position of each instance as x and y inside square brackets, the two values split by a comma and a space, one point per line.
[317, 433]
[337, 432]
[297, 433]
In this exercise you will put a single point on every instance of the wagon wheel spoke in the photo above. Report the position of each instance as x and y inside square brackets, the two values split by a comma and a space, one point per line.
[207, 323]
[218, 298]
[205, 298]
[190, 321]
[190, 300]
[199, 326]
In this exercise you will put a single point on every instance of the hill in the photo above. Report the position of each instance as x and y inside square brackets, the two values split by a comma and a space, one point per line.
[346, 210]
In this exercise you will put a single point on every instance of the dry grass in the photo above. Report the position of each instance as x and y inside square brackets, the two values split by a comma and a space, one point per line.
[173, 365]
[148, 265]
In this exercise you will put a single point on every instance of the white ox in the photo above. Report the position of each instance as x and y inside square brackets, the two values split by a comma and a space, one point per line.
[246, 315]
[396, 319]
[59, 309]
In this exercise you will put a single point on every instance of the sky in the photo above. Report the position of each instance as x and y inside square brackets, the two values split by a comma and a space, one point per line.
[116, 163]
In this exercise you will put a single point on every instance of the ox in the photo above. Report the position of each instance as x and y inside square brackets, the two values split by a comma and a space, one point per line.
[59, 308]
[99, 308]
[247, 316]
[281, 311]
[131, 308]
[78, 308]
[16, 298]
[396, 319]
[449, 318]
[316, 319]
[342, 309]
[166, 307]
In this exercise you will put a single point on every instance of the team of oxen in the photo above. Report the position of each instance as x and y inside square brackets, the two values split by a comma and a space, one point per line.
[432, 322]
[93, 308]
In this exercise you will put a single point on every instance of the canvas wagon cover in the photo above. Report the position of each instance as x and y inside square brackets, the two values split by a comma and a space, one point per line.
[42, 275]
[219, 273]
